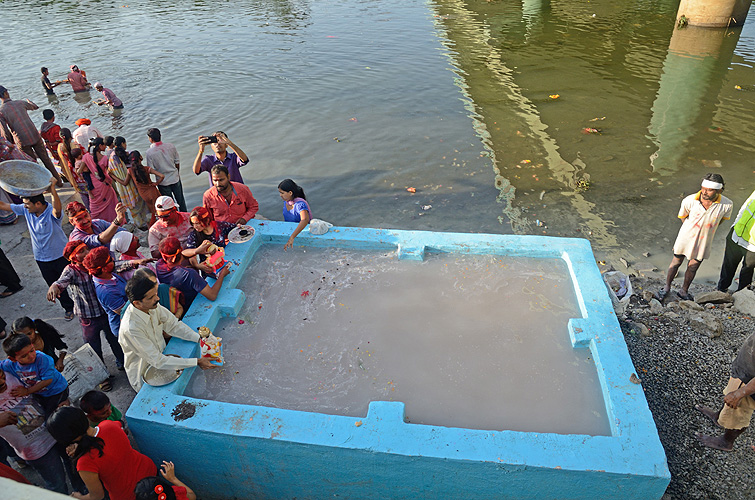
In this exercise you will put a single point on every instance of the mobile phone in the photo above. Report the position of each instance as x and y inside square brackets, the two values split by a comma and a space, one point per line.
[209, 139]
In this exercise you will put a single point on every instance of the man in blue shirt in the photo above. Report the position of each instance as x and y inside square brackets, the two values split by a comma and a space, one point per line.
[109, 287]
[47, 237]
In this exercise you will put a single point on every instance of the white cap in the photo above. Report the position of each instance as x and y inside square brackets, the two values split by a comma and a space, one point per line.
[165, 203]
[121, 241]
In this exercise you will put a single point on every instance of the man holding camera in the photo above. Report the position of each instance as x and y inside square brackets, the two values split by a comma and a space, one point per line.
[220, 143]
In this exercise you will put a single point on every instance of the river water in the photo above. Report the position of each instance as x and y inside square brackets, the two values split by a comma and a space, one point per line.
[357, 101]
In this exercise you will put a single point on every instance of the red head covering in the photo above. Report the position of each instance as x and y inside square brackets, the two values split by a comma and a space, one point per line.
[72, 249]
[96, 260]
[83, 121]
[170, 250]
[74, 208]
[202, 215]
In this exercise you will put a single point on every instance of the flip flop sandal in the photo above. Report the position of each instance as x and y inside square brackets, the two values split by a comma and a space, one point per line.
[7, 292]
[106, 386]
[685, 297]
[69, 315]
[661, 294]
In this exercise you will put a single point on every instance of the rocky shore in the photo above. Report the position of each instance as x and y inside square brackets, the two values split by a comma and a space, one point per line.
[682, 352]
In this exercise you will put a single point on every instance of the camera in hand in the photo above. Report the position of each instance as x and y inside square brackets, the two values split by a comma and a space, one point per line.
[208, 139]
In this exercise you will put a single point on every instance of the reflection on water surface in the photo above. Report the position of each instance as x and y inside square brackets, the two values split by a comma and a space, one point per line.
[358, 101]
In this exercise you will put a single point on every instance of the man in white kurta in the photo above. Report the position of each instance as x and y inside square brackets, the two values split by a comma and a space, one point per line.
[141, 333]
[702, 213]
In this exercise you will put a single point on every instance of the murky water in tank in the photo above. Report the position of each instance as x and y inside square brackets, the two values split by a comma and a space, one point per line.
[464, 341]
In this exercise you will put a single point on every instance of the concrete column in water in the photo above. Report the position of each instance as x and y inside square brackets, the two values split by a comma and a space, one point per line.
[713, 13]
[693, 72]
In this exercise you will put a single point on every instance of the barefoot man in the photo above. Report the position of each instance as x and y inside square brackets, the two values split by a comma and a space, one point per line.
[739, 404]
[701, 212]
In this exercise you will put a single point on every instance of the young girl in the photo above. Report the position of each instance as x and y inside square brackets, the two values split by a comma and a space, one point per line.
[207, 228]
[140, 175]
[150, 488]
[295, 208]
[44, 337]
[102, 198]
[125, 186]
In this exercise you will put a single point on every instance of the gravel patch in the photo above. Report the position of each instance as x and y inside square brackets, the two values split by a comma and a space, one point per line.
[680, 368]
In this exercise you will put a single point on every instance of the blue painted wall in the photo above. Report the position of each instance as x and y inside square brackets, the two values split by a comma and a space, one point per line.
[228, 451]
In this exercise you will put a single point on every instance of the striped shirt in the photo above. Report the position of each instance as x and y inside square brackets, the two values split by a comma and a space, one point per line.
[81, 289]
[14, 120]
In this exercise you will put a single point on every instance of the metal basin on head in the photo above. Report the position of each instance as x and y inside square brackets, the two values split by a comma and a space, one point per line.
[231, 450]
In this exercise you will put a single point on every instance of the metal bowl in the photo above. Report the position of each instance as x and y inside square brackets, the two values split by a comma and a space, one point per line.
[24, 178]
[158, 378]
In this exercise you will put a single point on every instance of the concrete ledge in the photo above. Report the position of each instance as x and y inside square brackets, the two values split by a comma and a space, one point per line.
[276, 453]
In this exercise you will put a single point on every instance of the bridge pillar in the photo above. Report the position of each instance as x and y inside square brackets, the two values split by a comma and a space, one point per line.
[713, 13]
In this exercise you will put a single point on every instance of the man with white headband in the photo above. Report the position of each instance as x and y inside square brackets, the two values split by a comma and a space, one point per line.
[701, 212]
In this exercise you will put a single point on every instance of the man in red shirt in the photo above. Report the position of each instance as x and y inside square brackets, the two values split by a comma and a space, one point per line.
[229, 201]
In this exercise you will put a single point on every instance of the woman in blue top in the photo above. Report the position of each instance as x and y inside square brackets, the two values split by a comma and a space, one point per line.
[295, 208]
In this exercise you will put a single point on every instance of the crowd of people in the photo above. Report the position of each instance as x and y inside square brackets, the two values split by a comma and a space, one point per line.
[97, 274]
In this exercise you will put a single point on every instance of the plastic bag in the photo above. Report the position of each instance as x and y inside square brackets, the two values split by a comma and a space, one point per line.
[619, 289]
[318, 226]
[83, 370]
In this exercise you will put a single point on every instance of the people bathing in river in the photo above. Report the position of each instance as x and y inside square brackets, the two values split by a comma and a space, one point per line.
[141, 334]
[103, 454]
[295, 208]
[163, 157]
[78, 80]
[140, 175]
[47, 84]
[702, 213]
[227, 200]
[170, 270]
[220, 143]
[110, 98]
[740, 247]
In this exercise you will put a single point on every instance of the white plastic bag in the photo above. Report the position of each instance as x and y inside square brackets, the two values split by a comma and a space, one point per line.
[619, 289]
[83, 370]
[319, 226]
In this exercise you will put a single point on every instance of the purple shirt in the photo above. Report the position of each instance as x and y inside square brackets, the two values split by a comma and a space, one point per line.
[184, 279]
[232, 162]
[111, 98]
[92, 240]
